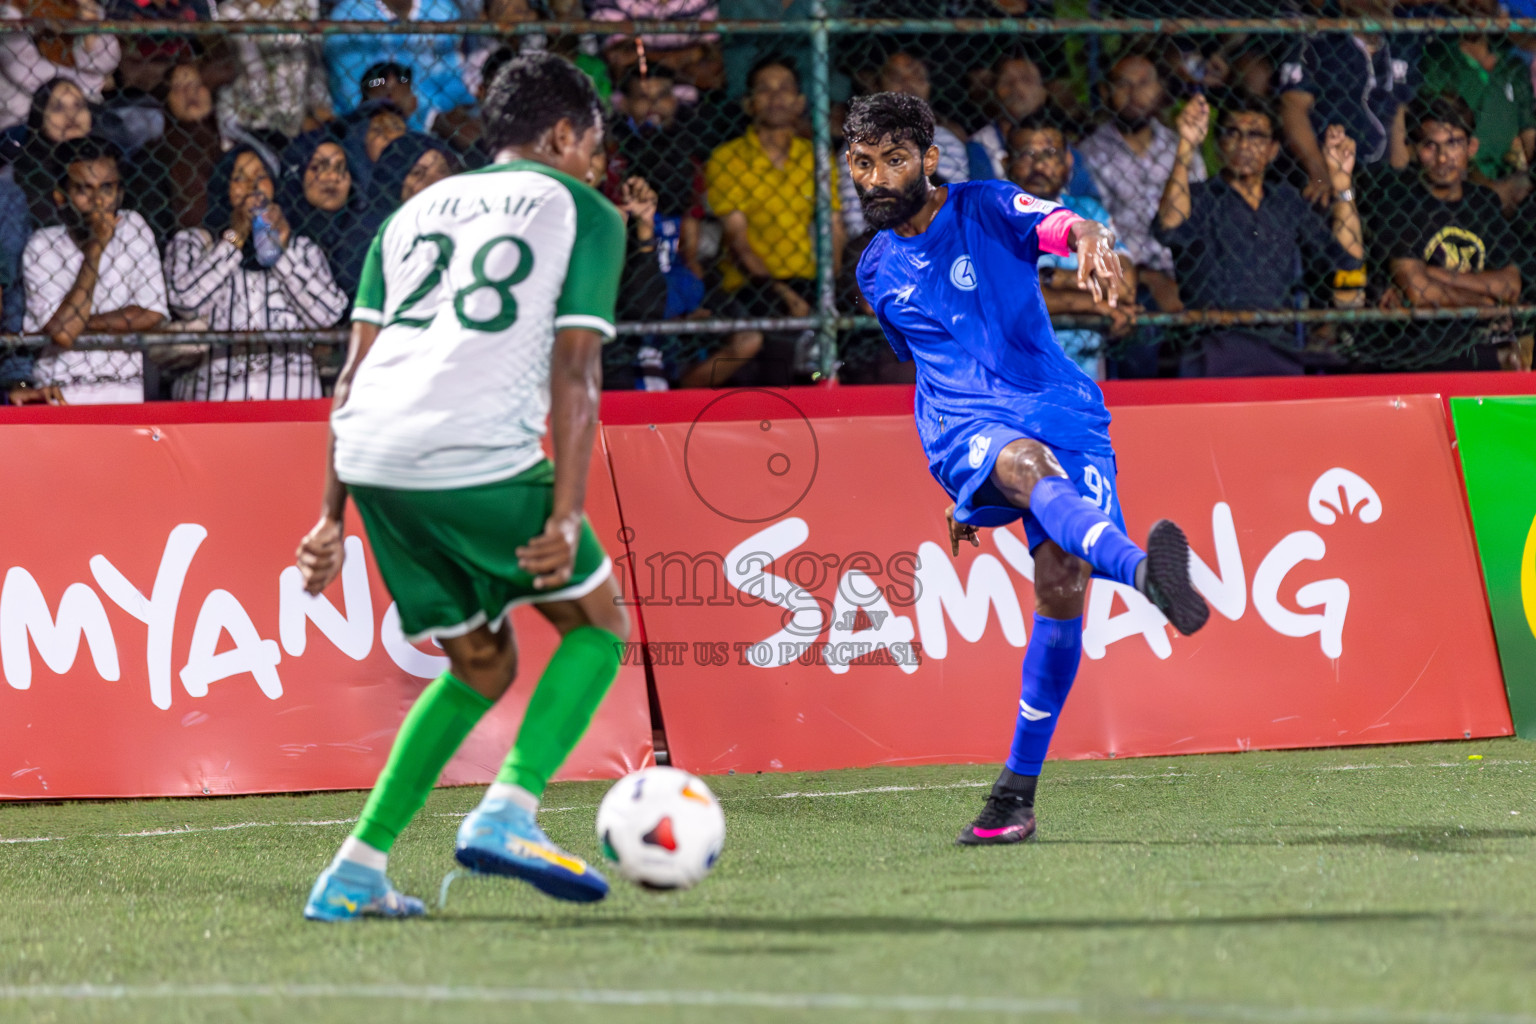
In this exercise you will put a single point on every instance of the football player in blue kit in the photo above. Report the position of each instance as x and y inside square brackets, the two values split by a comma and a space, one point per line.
[1012, 428]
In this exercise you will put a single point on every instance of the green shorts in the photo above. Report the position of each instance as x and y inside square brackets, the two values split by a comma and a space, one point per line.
[449, 558]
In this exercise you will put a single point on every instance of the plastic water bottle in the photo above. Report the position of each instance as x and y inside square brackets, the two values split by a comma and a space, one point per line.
[268, 249]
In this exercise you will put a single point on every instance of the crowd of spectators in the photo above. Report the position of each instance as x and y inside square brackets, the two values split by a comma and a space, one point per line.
[196, 181]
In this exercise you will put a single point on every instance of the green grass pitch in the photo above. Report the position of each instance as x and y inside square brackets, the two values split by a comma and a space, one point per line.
[1373, 885]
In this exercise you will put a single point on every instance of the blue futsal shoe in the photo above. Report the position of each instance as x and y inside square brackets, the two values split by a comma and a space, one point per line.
[501, 838]
[347, 889]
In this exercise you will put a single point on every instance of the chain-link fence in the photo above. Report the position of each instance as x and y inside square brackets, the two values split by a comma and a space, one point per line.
[189, 189]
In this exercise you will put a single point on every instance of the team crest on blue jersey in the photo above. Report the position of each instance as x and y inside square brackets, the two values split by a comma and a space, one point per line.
[1023, 202]
[962, 274]
[979, 445]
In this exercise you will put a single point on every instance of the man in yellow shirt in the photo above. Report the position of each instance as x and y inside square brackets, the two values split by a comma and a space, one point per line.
[762, 187]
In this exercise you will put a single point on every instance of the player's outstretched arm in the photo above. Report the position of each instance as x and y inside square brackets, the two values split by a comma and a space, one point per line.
[575, 383]
[321, 553]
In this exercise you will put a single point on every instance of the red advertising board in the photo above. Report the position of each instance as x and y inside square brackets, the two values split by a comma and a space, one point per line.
[154, 640]
[804, 612]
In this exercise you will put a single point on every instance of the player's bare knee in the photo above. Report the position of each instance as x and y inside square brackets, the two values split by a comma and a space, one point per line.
[1061, 582]
[486, 662]
[1021, 465]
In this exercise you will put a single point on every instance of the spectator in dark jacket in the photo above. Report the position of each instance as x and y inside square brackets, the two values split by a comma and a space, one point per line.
[1360, 81]
[1237, 239]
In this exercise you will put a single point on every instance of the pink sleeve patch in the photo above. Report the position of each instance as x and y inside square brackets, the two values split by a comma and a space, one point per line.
[1055, 231]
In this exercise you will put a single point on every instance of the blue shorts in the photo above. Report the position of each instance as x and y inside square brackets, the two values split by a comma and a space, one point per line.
[965, 470]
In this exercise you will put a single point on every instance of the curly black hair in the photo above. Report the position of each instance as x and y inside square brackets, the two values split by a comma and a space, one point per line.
[889, 115]
[532, 93]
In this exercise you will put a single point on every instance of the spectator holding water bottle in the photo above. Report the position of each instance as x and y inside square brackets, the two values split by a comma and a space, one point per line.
[246, 270]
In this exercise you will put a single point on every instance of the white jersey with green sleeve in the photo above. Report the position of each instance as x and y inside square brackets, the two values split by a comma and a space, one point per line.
[468, 282]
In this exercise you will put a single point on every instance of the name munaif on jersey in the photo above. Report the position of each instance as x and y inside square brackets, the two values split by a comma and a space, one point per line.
[468, 283]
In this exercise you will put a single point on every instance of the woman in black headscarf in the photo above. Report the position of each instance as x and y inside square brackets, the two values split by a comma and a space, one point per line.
[408, 165]
[222, 274]
[59, 114]
[323, 200]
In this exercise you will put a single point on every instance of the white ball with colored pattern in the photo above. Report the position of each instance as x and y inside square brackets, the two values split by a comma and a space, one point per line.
[662, 827]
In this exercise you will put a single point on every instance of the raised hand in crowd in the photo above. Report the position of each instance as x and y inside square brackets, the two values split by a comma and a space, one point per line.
[639, 201]
[1339, 156]
[1194, 124]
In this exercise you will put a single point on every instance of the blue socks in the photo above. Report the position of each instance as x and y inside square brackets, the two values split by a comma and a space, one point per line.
[1050, 664]
[1079, 528]
[1056, 646]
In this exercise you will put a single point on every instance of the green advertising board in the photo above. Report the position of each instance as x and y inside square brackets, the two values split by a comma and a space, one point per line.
[1497, 441]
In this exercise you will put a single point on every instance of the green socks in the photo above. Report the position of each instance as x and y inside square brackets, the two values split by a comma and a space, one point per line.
[437, 724]
[574, 683]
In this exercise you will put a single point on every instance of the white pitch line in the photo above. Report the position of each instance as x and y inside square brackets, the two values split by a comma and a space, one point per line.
[1436, 764]
[224, 828]
[152, 833]
[794, 794]
[863, 792]
[806, 1001]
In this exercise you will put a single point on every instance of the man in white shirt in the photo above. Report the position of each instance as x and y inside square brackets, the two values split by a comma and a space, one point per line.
[98, 271]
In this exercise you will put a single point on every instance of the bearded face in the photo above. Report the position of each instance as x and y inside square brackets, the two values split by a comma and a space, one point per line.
[885, 207]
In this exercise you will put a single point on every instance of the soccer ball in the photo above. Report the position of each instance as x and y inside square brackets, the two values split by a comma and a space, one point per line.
[662, 827]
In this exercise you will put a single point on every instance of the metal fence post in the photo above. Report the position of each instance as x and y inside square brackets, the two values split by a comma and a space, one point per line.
[821, 136]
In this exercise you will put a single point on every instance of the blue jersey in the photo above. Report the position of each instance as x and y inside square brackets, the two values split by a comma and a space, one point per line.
[963, 301]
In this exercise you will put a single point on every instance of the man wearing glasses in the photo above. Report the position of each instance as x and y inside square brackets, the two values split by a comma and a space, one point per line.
[1040, 163]
[1238, 239]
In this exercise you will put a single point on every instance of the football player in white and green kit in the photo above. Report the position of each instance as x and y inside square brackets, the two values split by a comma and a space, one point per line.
[482, 309]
